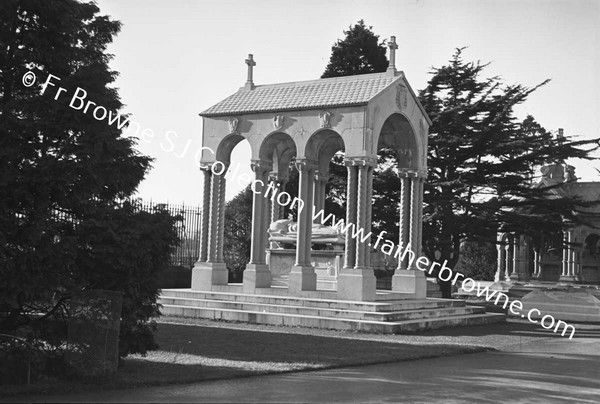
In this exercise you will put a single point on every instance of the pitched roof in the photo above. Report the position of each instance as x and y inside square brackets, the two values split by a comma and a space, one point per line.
[331, 92]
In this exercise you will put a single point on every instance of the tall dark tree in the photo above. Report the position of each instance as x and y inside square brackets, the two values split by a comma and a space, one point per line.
[482, 162]
[64, 174]
[360, 52]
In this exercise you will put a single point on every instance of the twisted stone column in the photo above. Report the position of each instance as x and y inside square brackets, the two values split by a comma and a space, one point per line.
[404, 224]
[351, 203]
[275, 206]
[205, 214]
[282, 184]
[361, 215]
[356, 281]
[369, 207]
[414, 218]
[412, 281]
[210, 270]
[213, 239]
[221, 218]
[419, 250]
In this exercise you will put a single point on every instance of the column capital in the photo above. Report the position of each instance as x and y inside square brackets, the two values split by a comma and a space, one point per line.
[304, 164]
[418, 173]
[261, 166]
[205, 165]
[321, 176]
[360, 161]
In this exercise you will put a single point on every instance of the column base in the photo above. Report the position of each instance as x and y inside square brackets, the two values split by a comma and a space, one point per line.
[568, 278]
[302, 277]
[410, 281]
[503, 278]
[256, 276]
[358, 284]
[519, 277]
[207, 274]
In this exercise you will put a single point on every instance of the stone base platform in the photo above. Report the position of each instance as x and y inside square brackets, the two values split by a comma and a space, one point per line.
[391, 313]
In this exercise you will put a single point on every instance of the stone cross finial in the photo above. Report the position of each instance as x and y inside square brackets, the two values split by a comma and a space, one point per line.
[393, 46]
[251, 63]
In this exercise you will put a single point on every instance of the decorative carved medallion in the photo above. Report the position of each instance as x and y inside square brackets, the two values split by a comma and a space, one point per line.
[401, 96]
[233, 124]
[278, 122]
[325, 116]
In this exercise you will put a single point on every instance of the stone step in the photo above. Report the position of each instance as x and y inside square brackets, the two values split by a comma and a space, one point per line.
[297, 320]
[378, 306]
[404, 314]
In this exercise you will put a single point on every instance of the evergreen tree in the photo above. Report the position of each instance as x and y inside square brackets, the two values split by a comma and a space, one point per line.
[482, 162]
[360, 52]
[64, 175]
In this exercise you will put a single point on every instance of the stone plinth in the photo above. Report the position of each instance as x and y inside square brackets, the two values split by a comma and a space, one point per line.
[410, 281]
[325, 262]
[206, 274]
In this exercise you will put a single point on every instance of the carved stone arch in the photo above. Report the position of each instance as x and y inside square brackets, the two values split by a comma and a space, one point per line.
[397, 132]
[226, 146]
[276, 144]
[322, 146]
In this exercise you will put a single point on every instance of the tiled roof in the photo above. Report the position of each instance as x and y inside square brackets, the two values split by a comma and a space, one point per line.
[332, 92]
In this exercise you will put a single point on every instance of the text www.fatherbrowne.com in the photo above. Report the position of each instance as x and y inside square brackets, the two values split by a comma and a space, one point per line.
[423, 263]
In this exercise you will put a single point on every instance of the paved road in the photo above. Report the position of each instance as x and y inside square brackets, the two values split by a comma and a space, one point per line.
[544, 371]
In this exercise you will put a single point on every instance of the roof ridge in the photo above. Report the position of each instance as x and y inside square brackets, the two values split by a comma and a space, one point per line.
[356, 77]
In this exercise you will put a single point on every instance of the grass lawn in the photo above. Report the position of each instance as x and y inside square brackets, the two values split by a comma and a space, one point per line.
[193, 353]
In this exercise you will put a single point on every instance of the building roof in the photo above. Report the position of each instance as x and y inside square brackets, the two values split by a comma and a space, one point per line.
[321, 93]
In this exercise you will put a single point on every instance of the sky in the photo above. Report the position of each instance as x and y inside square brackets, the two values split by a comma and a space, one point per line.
[179, 57]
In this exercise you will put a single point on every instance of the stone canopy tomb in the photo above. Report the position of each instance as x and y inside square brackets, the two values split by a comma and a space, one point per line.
[304, 124]
[309, 122]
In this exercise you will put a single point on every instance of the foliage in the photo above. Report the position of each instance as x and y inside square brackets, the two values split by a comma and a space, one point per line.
[238, 233]
[64, 176]
[477, 260]
[482, 162]
[360, 52]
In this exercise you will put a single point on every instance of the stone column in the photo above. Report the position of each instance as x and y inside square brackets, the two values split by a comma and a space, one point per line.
[205, 214]
[212, 271]
[358, 282]
[499, 276]
[404, 224]
[567, 265]
[302, 275]
[412, 281]
[275, 206]
[507, 260]
[321, 180]
[368, 219]
[257, 274]
[351, 189]
[536, 264]
[221, 218]
[213, 226]
[565, 257]
[516, 259]
[361, 216]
